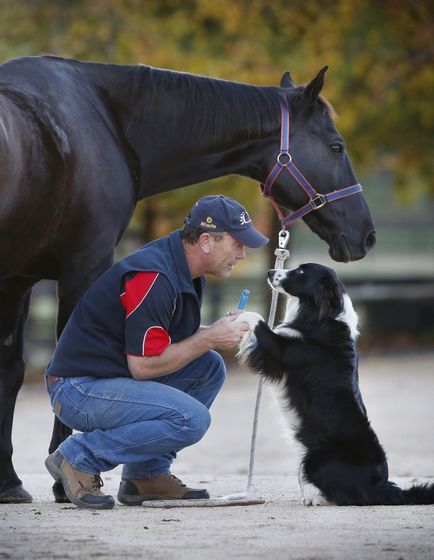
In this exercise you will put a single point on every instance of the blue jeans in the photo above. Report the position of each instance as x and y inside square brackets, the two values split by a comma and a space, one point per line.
[140, 424]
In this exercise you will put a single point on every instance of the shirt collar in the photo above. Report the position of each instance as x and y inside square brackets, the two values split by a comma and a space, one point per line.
[181, 264]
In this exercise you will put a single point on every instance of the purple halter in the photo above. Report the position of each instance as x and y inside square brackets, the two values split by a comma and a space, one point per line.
[284, 161]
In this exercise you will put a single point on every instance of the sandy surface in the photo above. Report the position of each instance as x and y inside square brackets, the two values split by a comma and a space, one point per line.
[398, 392]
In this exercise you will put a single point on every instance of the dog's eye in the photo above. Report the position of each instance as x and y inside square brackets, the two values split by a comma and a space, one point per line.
[300, 271]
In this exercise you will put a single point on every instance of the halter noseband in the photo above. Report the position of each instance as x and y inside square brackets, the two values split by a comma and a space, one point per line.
[284, 161]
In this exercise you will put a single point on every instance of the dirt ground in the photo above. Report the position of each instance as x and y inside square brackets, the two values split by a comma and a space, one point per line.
[398, 392]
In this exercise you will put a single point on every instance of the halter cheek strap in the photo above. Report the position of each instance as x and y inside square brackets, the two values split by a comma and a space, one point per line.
[284, 162]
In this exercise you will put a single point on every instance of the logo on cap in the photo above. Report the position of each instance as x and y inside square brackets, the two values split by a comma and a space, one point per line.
[244, 218]
[208, 223]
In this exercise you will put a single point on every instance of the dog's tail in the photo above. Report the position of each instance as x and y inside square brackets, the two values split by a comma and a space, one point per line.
[389, 494]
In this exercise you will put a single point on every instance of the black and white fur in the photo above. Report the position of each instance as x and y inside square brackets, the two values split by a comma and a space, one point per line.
[313, 354]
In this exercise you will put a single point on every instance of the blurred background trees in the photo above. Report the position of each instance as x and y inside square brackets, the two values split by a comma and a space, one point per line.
[380, 54]
[380, 81]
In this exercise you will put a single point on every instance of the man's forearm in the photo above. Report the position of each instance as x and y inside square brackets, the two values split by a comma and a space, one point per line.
[224, 334]
[174, 357]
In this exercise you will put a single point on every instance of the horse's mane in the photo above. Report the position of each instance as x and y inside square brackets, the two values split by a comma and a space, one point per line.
[229, 106]
[328, 107]
[217, 108]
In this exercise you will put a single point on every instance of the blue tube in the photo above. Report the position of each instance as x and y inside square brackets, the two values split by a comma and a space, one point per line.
[243, 299]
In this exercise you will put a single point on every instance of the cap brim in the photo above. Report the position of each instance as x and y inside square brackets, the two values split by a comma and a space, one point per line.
[250, 237]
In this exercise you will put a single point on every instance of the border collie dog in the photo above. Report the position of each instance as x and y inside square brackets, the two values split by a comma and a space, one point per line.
[313, 354]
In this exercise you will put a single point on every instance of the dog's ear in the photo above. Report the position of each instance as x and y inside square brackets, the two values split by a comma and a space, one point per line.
[329, 298]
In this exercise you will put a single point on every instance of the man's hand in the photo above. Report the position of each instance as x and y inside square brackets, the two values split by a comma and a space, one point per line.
[227, 333]
[249, 317]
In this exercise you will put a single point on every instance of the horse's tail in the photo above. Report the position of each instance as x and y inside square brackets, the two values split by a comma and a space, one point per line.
[389, 494]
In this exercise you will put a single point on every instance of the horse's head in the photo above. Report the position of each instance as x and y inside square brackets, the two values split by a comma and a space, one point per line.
[316, 149]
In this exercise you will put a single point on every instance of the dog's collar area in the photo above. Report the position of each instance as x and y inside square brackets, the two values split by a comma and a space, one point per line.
[284, 162]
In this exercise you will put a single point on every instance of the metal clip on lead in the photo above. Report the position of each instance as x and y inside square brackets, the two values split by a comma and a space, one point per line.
[282, 252]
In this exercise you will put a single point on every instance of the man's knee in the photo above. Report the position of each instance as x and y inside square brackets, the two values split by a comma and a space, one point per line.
[217, 367]
[199, 420]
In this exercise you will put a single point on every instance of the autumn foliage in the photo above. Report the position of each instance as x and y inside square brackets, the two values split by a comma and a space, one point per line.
[380, 54]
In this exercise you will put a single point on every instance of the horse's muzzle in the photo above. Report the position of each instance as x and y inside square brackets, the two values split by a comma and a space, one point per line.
[343, 250]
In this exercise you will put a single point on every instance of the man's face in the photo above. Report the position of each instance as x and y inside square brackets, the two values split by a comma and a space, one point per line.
[224, 255]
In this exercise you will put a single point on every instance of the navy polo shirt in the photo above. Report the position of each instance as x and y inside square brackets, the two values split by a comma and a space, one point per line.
[139, 306]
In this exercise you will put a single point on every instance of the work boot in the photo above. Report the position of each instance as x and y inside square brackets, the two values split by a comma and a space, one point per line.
[83, 489]
[161, 487]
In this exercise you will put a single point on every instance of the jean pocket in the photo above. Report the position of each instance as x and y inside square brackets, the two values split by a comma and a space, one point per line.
[69, 413]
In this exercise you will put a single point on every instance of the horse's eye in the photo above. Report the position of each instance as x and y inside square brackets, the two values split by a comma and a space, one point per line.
[337, 148]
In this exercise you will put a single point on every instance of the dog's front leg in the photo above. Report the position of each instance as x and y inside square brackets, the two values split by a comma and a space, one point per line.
[261, 349]
[248, 342]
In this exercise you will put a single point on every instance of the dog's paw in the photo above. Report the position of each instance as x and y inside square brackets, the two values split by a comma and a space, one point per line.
[248, 342]
[316, 500]
[247, 346]
[249, 317]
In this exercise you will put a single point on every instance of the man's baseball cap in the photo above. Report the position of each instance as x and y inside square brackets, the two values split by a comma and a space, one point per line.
[218, 213]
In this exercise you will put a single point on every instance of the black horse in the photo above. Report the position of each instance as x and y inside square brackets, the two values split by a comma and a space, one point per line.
[81, 143]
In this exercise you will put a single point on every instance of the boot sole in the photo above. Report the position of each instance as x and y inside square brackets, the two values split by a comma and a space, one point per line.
[56, 473]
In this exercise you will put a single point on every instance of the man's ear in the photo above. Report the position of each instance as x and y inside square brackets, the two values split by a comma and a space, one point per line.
[205, 243]
[328, 298]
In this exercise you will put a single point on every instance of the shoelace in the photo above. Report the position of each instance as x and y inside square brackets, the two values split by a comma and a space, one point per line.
[177, 480]
[95, 482]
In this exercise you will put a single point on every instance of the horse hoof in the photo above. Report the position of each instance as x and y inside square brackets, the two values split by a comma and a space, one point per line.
[16, 495]
[59, 494]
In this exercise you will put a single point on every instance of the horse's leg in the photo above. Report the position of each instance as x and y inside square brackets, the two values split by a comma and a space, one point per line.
[71, 285]
[14, 307]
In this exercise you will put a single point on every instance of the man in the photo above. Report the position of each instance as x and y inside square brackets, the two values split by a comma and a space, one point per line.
[133, 370]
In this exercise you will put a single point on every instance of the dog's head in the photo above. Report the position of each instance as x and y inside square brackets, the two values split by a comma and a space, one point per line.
[316, 287]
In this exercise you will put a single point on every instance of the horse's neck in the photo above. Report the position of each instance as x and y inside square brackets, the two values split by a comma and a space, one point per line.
[185, 129]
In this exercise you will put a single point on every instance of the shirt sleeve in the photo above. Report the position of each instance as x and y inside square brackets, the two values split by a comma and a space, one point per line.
[149, 302]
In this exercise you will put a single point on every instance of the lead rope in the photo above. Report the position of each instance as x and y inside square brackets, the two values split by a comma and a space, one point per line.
[281, 254]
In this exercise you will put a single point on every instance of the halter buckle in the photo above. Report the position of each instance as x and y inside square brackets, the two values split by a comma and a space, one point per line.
[284, 158]
[317, 201]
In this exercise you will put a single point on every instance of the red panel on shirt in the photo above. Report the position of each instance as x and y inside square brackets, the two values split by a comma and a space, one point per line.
[155, 341]
[137, 289]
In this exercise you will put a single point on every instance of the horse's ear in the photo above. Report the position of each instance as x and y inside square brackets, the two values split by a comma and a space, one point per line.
[287, 81]
[313, 89]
